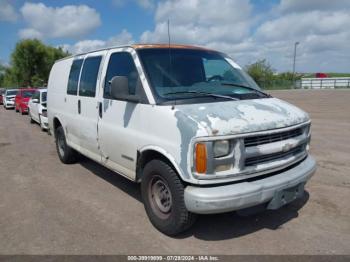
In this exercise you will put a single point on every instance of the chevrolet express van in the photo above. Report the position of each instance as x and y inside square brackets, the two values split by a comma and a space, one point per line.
[187, 123]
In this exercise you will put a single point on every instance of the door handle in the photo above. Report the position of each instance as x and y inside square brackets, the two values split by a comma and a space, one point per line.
[100, 109]
[79, 107]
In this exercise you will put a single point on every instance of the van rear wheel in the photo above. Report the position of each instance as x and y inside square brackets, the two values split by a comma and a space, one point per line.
[66, 154]
[163, 198]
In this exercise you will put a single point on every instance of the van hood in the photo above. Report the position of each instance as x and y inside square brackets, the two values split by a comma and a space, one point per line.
[243, 116]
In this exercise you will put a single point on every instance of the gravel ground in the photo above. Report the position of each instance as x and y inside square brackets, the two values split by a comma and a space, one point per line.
[50, 208]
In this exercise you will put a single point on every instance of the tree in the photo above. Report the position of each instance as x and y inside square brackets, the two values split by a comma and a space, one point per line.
[261, 71]
[10, 78]
[31, 62]
[286, 76]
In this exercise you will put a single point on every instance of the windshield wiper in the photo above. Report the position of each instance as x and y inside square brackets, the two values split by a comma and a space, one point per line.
[202, 93]
[247, 87]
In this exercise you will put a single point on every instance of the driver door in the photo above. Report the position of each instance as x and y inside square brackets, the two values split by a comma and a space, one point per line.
[119, 120]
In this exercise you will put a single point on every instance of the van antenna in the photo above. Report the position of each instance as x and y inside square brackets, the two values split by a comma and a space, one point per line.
[170, 62]
[169, 34]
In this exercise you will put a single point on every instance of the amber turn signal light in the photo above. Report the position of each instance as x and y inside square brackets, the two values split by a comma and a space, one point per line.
[201, 158]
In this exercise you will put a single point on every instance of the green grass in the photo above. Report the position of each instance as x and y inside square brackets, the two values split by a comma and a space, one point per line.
[338, 74]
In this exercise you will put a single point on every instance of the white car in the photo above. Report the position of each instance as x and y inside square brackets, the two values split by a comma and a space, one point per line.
[8, 98]
[187, 123]
[37, 108]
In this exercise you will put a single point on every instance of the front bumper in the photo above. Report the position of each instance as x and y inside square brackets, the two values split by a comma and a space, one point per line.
[44, 122]
[219, 199]
[9, 104]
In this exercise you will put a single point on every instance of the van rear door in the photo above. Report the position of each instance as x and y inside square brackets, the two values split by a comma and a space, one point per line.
[71, 103]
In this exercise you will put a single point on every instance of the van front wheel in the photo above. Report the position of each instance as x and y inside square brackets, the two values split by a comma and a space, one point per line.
[163, 198]
[66, 154]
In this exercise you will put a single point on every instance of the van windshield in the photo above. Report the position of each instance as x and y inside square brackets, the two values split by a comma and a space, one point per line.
[190, 73]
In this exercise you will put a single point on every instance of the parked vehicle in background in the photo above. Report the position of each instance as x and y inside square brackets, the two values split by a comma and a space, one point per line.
[22, 98]
[2, 91]
[187, 123]
[37, 108]
[8, 98]
[321, 75]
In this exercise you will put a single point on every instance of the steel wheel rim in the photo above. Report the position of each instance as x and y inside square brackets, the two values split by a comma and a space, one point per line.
[160, 197]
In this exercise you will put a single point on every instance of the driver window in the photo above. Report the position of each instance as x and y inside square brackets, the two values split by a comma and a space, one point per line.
[122, 64]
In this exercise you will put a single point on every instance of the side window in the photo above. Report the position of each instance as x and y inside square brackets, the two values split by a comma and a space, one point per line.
[43, 97]
[88, 79]
[72, 87]
[121, 64]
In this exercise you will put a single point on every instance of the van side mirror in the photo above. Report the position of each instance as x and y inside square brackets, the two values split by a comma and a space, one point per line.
[120, 89]
[35, 100]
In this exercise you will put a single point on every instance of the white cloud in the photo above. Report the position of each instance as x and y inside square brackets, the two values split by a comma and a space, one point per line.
[67, 21]
[7, 11]
[321, 27]
[145, 4]
[123, 38]
[298, 24]
[30, 33]
[201, 21]
[287, 6]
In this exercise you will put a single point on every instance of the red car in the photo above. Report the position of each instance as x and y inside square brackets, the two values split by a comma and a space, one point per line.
[2, 91]
[22, 98]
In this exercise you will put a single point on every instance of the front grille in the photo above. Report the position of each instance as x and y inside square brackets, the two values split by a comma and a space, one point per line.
[265, 139]
[253, 161]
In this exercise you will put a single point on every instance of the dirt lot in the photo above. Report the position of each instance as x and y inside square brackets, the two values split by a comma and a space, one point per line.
[50, 208]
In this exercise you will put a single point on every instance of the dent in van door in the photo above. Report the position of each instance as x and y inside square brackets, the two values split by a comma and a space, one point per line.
[119, 126]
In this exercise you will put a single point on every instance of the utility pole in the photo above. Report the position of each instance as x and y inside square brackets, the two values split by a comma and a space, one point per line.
[295, 55]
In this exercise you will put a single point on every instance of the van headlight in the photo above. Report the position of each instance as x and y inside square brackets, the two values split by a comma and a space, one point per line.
[221, 148]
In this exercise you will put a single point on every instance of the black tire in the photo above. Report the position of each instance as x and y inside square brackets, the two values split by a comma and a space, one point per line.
[175, 220]
[66, 154]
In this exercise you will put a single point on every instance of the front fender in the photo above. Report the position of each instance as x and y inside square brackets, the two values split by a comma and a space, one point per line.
[168, 156]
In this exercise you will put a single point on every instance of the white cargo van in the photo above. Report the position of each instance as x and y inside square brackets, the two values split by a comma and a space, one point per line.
[187, 123]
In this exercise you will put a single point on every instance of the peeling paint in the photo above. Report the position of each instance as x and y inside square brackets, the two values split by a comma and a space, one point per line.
[236, 117]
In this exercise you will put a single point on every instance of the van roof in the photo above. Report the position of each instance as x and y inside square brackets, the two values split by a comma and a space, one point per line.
[143, 46]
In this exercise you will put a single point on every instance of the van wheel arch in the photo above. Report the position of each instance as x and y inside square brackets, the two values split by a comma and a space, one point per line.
[146, 156]
[56, 124]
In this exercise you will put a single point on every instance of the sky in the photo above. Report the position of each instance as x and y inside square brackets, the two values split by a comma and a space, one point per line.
[247, 30]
